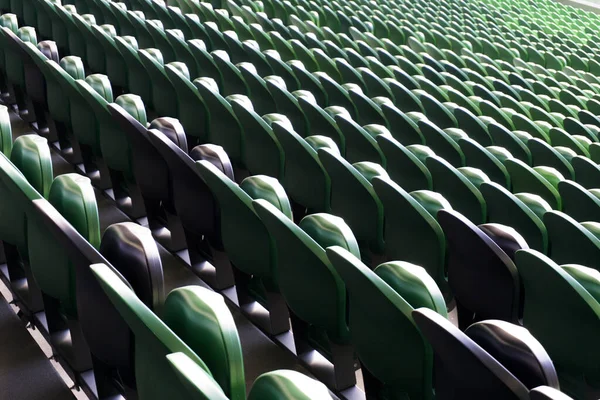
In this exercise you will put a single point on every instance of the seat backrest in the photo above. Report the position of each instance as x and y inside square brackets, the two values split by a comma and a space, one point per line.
[353, 197]
[463, 368]
[202, 320]
[245, 238]
[287, 385]
[154, 340]
[132, 251]
[568, 334]
[517, 350]
[71, 195]
[106, 333]
[303, 265]
[192, 198]
[482, 277]
[571, 241]
[199, 384]
[379, 314]
[505, 208]
[411, 232]
[31, 155]
[151, 172]
[15, 192]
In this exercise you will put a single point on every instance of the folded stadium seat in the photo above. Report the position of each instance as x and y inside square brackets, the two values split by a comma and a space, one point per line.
[233, 82]
[157, 32]
[337, 95]
[224, 127]
[493, 293]
[558, 157]
[320, 121]
[539, 368]
[252, 254]
[262, 153]
[280, 68]
[304, 178]
[574, 301]
[579, 203]
[547, 393]
[586, 171]
[319, 322]
[481, 374]
[139, 22]
[443, 142]
[182, 51]
[10, 22]
[138, 77]
[488, 159]
[394, 289]
[354, 199]
[164, 95]
[571, 241]
[204, 60]
[474, 127]
[196, 208]
[368, 110]
[154, 340]
[152, 174]
[96, 59]
[424, 243]
[257, 87]
[578, 143]
[116, 67]
[460, 186]
[542, 181]
[95, 321]
[15, 69]
[361, 143]
[406, 165]
[513, 141]
[522, 211]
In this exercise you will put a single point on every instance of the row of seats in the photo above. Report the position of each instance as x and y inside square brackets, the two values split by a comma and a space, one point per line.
[279, 227]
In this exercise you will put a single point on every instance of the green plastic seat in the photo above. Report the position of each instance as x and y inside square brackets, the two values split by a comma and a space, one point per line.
[394, 289]
[578, 202]
[320, 121]
[361, 141]
[302, 263]
[304, 178]
[442, 143]
[406, 164]
[155, 339]
[571, 241]
[544, 154]
[568, 334]
[31, 155]
[486, 160]
[459, 187]
[261, 152]
[437, 112]
[138, 78]
[287, 104]
[411, 232]
[353, 198]
[538, 180]
[220, 115]
[73, 197]
[164, 96]
[192, 111]
[515, 142]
